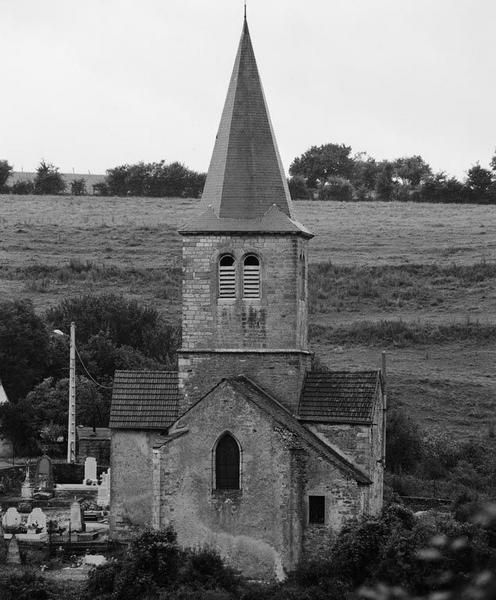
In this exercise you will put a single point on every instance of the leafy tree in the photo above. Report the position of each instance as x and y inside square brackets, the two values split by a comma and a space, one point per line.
[298, 188]
[403, 443]
[24, 347]
[102, 357]
[78, 187]
[48, 180]
[17, 424]
[479, 180]
[441, 188]
[49, 402]
[126, 323]
[384, 186]
[493, 162]
[412, 170]
[5, 172]
[319, 163]
[365, 171]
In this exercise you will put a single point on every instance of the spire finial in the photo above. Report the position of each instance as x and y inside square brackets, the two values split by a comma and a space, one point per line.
[245, 10]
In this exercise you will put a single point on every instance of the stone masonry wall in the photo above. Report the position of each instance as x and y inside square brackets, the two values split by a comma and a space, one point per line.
[279, 373]
[363, 445]
[130, 481]
[276, 320]
[263, 528]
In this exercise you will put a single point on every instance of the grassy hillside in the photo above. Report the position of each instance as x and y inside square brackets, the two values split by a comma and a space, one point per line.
[418, 280]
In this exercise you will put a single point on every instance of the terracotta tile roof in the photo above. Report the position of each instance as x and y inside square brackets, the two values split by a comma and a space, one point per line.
[339, 396]
[245, 178]
[144, 399]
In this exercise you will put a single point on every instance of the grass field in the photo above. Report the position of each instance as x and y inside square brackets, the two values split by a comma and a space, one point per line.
[418, 280]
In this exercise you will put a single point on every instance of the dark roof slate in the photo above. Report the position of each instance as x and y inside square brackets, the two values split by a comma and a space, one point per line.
[273, 221]
[339, 396]
[245, 177]
[144, 399]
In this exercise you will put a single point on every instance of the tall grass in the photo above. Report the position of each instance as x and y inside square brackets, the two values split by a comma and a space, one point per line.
[400, 333]
[334, 287]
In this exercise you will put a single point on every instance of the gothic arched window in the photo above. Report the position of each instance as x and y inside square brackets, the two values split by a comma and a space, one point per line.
[227, 277]
[251, 276]
[227, 463]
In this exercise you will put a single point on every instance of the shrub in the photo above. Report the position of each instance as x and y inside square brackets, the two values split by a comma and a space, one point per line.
[22, 187]
[25, 585]
[101, 580]
[48, 180]
[206, 569]
[78, 187]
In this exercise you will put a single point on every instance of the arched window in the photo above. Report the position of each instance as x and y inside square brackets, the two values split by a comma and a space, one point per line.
[227, 464]
[227, 277]
[251, 277]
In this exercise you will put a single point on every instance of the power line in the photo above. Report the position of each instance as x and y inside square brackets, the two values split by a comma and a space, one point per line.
[105, 387]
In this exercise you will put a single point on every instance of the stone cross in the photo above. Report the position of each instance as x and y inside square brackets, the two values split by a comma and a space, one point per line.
[90, 470]
[27, 488]
[37, 518]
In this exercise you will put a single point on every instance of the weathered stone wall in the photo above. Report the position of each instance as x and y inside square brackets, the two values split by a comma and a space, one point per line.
[363, 445]
[280, 373]
[130, 481]
[276, 320]
[263, 528]
[344, 500]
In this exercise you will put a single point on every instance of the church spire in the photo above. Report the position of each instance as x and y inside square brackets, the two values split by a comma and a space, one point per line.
[246, 188]
[245, 177]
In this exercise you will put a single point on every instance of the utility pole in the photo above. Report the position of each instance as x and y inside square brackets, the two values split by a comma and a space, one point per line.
[384, 407]
[71, 427]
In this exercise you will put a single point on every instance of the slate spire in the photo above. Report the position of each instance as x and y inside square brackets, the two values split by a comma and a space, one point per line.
[245, 177]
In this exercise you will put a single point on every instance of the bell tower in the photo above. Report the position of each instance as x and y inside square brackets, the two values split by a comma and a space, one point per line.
[245, 257]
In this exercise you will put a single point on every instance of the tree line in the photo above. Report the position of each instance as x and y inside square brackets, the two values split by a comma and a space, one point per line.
[331, 172]
[157, 179]
[327, 172]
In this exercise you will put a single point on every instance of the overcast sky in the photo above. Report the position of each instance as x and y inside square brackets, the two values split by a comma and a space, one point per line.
[92, 84]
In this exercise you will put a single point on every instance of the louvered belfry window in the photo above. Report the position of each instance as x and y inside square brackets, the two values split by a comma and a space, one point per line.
[227, 277]
[251, 277]
[227, 464]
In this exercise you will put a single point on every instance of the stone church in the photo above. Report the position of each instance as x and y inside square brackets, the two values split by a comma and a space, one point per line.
[246, 448]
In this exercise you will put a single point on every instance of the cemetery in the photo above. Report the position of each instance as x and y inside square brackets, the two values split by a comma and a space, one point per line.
[42, 519]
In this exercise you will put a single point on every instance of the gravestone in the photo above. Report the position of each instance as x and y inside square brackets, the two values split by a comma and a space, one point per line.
[43, 478]
[27, 488]
[3, 543]
[103, 495]
[13, 554]
[76, 523]
[90, 475]
[37, 520]
[11, 518]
